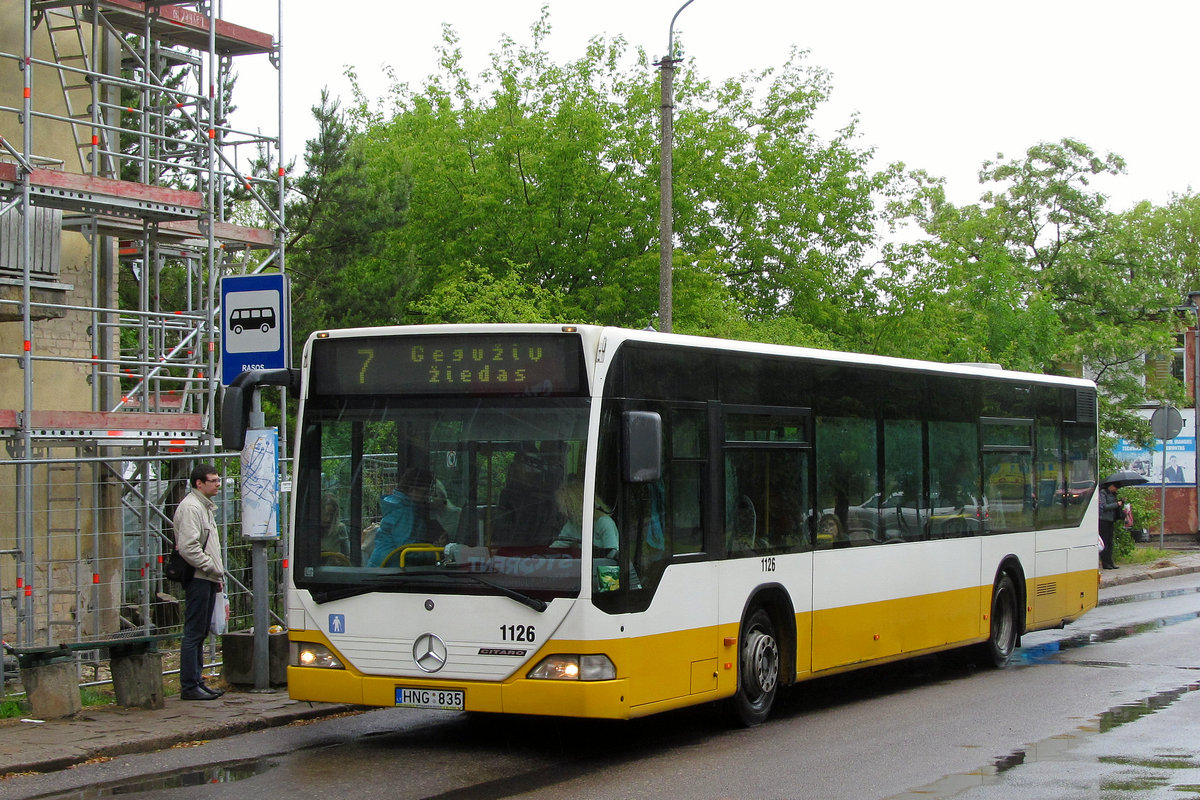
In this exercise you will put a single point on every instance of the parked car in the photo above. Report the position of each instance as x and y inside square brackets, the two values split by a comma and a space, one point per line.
[899, 519]
[1076, 493]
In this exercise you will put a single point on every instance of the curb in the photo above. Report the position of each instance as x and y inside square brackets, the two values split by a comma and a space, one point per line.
[154, 742]
[219, 730]
[1162, 572]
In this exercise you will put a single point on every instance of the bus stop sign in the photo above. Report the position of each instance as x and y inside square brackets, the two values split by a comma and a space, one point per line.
[255, 323]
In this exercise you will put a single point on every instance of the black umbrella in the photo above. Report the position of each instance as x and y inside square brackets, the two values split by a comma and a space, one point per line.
[1124, 477]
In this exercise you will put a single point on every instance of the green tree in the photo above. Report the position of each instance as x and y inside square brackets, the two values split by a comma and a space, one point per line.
[479, 296]
[552, 170]
[1167, 238]
[1039, 276]
[345, 213]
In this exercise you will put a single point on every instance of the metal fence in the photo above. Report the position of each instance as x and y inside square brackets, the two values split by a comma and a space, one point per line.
[99, 527]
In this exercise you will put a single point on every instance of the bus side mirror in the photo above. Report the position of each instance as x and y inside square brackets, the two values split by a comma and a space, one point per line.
[239, 398]
[642, 446]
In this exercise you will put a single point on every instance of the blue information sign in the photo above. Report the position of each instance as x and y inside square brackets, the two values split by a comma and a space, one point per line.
[255, 323]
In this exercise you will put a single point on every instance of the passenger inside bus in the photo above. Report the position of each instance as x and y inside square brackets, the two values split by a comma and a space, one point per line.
[404, 515]
[443, 512]
[526, 514]
[335, 540]
[605, 539]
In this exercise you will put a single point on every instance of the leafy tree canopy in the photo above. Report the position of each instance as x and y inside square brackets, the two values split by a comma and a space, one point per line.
[551, 170]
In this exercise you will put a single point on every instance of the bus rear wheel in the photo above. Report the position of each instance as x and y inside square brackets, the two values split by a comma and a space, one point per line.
[1002, 641]
[758, 670]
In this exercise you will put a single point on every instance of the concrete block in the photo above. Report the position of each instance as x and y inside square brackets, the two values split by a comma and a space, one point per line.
[137, 680]
[52, 689]
[237, 658]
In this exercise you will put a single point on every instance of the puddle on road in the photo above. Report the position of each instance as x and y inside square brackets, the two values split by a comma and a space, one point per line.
[223, 773]
[1051, 749]
[1048, 653]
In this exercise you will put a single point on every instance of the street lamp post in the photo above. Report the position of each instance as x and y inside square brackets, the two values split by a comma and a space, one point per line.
[666, 210]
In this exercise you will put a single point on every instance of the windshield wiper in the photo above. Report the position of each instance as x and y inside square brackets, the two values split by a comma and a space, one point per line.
[329, 595]
[532, 602]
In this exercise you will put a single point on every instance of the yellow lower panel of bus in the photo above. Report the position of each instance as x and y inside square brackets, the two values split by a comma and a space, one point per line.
[1055, 599]
[855, 634]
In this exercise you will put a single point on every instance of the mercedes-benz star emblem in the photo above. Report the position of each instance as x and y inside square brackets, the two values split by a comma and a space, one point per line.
[429, 651]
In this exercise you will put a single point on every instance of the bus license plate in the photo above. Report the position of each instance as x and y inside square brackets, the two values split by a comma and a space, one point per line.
[448, 699]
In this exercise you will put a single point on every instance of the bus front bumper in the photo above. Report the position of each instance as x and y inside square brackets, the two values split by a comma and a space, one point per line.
[518, 695]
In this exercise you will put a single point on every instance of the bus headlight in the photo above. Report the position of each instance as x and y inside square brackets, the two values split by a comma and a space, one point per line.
[307, 654]
[574, 668]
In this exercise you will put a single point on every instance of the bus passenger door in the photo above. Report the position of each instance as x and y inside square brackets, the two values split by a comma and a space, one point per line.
[673, 583]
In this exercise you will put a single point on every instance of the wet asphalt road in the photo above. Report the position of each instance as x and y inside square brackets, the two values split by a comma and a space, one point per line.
[1107, 708]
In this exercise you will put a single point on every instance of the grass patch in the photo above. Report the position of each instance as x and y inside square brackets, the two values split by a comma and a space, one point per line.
[14, 707]
[11, 709]
[1146, 555]
[94, 696]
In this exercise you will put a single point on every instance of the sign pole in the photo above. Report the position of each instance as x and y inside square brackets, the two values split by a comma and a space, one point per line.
[260, 520]
[1162, 500]
[1165, 423]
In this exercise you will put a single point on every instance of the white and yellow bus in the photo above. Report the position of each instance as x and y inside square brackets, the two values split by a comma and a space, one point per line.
[755, 516]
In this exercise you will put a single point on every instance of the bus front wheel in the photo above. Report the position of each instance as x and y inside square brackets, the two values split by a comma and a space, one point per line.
[758, 670]
[1002, 641]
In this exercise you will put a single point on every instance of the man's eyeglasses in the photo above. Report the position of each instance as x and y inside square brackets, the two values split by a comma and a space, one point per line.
[212, 480]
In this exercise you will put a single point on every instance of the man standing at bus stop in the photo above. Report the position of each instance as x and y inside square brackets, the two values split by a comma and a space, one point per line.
[196, 539]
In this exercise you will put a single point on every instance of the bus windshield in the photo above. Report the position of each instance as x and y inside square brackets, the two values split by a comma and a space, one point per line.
[452, 496]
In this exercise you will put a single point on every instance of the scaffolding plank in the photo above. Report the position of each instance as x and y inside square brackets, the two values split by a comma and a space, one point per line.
[180, 233]
[107, 425]
[54, 188]
[175, 24]
[254, 238]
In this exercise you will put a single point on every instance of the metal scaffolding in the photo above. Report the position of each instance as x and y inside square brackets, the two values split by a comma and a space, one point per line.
[125, 196]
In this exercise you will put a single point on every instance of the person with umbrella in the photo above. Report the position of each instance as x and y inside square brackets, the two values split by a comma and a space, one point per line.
[1110, 507]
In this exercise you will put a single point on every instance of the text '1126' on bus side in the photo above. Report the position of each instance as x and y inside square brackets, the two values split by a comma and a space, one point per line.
[658, 521]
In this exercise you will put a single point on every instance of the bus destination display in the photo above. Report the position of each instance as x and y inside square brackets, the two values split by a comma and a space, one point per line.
[512, 364]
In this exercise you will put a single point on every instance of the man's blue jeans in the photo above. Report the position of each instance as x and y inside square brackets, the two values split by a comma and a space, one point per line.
[199, 598]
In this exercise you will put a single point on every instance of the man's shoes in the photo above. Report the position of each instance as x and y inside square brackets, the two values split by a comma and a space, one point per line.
[211, 690]
[197, 694]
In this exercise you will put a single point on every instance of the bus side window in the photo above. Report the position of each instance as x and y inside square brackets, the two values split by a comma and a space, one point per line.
[957, 509]
[766, 501]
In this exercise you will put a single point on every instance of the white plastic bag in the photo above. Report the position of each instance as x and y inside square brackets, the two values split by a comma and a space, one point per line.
[220, 616]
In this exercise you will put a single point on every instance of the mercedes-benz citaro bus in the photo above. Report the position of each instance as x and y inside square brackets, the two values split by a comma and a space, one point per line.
[597, 522]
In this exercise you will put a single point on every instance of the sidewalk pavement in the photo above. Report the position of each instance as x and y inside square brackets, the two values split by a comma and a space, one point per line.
[1179, 562]
[108, 731]
[99, 732]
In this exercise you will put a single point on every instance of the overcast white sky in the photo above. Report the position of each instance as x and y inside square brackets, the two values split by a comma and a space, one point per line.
[941, 85]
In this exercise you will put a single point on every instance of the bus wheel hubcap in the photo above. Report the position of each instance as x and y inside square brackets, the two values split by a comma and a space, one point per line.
[762, 661]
